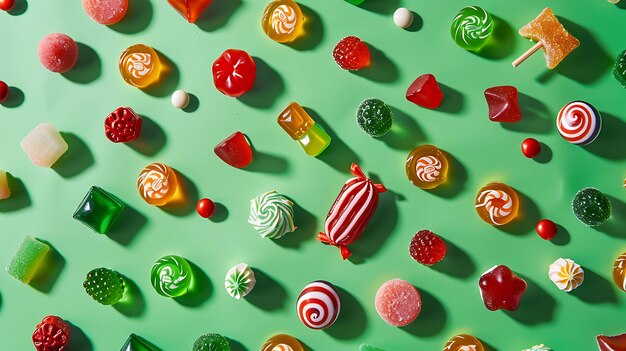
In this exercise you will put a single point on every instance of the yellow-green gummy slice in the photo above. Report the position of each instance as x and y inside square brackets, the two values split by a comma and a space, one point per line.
[26, 261]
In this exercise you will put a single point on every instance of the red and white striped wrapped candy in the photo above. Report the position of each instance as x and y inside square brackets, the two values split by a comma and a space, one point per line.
[351, 211]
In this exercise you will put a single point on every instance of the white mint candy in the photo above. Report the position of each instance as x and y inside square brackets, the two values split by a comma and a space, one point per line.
[403, 17]
[180, 99]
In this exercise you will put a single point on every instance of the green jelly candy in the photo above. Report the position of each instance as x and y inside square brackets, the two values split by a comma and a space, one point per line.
[104, 285]
[619, 71]
[591, 207]
[171, 276]
[27, 259]
[211, 342]
[374, 117]
[471, 28]
[366, 347]
[137, 343]
[99, 210]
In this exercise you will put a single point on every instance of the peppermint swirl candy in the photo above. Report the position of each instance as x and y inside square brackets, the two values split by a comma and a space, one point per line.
[139, 64]
[282, 347]
[271, 214]
[497, 203]
[239, 281]
[171, 276]
[318, 305]
[428, 168]
[471, 27]
[284, 19]
[579, 122]
[154, 181]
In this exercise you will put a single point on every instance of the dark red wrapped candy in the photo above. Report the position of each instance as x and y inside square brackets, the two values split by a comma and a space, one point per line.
[122, 125]
[234, 72]
[52, 334]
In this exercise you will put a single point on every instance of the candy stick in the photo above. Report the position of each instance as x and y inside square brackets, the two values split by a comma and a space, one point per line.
[527, 54]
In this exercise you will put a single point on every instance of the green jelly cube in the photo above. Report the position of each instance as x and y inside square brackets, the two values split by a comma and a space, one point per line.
[26, 261]
[137, 343]
[99, 210]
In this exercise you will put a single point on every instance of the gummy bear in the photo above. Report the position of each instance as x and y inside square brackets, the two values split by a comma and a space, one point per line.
[137, 343]
[234, 72]
[503, 104]
[301, 127]
[472, 27]
[99, 210]
[427, 247]
[52, 334]
[140, 66]
[157, 184]
[211, 342]
[351, 53]
[282, 342]
[591, 207]
[619, 70]
[122, 125]
[497, 203]
[425, 92]
[282, 20]
[189, 9]
[374, 117]
[235, 150]
[500, 288]
[612, 343]
[104, 285]
[427, 167]
[464, 342]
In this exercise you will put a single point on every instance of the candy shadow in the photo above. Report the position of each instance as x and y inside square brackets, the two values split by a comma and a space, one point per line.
[220, 214]
[457, 177]
[611, 142]
[562, 237]
[621, 5]
[312, 31]
[595, 289]
[127, 226]
[200, 290]
[418, 23]
[432, 318]
[49, 271]
[217, 14]
[137, 18]
[502, 41]
[352, 320]
[536, 307]
[133, 304]
[307, 226]
[151, 140]
[186, 198]
[15, 99]
[236, 345]
[20, 7]
[380, 226]
[168, 79]
[76, 159]
[456, 263]
[452, 100]
[617, 222]
[19, 199]
[267, 163]
[193, 104]
[267, 294]
[536, 117]
[305, 346]
[78, 340]
[268, 86]
[527, 217]
[545, 155]
[488, 346]
[381, 68]
[405, 133]
[88, 68]
[383, 7]
[338, 154]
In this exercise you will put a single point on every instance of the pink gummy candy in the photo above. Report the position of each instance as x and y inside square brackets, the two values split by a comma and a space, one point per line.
[398, 302]
[58, 52]
[106, 11]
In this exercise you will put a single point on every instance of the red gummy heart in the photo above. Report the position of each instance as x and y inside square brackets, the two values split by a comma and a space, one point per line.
[190, 9]
[351, 53]
[235, 150]
[425, 92]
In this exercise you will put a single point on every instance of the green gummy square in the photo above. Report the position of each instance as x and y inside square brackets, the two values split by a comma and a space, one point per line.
[27, 259]
[99, 210]
[137, 343]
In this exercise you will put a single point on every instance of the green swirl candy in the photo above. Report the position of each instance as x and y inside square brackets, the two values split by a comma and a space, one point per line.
[171, 276]
[271, 214]
[239, 281]
[472, 27]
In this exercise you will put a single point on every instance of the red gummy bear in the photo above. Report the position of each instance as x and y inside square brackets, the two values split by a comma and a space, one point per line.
[427, 247]
[500, 288]
[190, 9]
[351, 53]
[503, 105]
[612, 343]
[52, 334]
[122, 125]
[425, 92]
[235, 150]
[234, 72]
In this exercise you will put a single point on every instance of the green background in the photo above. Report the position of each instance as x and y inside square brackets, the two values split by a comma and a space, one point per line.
[481, 151]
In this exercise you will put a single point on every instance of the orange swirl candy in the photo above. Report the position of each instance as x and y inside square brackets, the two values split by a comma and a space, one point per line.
[497, 203]
[140, 65]
[426, 167]
[282, 20]
[157, 184]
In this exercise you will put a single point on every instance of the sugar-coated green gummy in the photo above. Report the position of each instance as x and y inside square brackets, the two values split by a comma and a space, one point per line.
[366, 347]
[619, 70]
[211, 342]
[104, 285]
[137, 343]
[99, 210]
[591, 207]
[374, 117]
[27, 259]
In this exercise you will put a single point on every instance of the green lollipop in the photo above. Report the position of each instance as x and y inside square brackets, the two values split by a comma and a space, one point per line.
[471, 28]
[619, 71]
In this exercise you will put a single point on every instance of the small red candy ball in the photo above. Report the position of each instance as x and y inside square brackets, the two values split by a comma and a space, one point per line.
[7, 5]
[205, 208]
[531, 147]
[546, 229]
[4, 90]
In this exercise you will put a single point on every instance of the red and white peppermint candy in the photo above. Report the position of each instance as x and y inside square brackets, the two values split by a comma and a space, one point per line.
[318, 305]
[428, 168]
[497, 203]
[579, 122]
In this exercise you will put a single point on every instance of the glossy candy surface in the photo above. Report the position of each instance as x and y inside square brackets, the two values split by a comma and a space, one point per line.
[27, 260]
[318, 305]
[52, 334]
[157, 184]
[546, 229]
[7, 5]
[619, 69]
[612, 343]
[531, 147]
[205, 208]
[398, 302]
[4, 91]
[374, 117]
[271, 215]
[122, 125]
[235, 150]
[58, 52]
[211, 342]
[619, 271]
[501, 288]
[189, 9]
[496, 203]
[503, 104]
[171, 276]
[44, 145]
[427, 167]
[140, 66]
[5, 189]
[137, 343]
[427, 247]
[472, 27]
[591, 207]
[104, 285]
[234, 72]
[464, 342]
[106, 11]
[351, 53]
[282, 20]
[301, 127]
[425, 92]
[579, 122]
[282, 342]
[99, 210]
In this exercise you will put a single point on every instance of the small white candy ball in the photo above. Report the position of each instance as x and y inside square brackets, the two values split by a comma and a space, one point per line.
[180, 99]
[403, 17]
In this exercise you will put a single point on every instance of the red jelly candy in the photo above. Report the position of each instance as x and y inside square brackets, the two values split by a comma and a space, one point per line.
[398, 302]
[122, 125]
[546, 229]
[235, 150]
[58, 52]
[531, 147]
[352, 210]
[52, 334]
[503, 105]
[106, 12]
[234, 72]
[612, 343]
[205, 208]
[427, 247]
[425, 92]
[7, 5]
[4, 91]
[190, 9]
[500, 288]
[351, 53]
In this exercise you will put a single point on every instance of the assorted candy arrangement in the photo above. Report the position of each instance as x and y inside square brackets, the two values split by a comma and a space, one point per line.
[397, 302]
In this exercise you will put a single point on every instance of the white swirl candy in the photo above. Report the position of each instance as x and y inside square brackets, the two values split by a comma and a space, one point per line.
[428, 168]
[284, 19]
[318, 305]
[239, 281]
[566, 274]
[282, 347]
[579, 122]
[271, 214]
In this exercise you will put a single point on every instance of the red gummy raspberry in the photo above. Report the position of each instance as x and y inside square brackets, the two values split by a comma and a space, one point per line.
[52, 334]
[351, 53]
[122, 125]
[427, 247]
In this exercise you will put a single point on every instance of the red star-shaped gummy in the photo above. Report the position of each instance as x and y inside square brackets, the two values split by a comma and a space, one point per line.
[234, 72]
[52, 334]
[612, 343]
[500, 288]
[122, 125]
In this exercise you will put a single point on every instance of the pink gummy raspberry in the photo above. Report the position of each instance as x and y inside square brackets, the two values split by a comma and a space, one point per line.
[58, 52]
[106, 11]
[398, 302]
